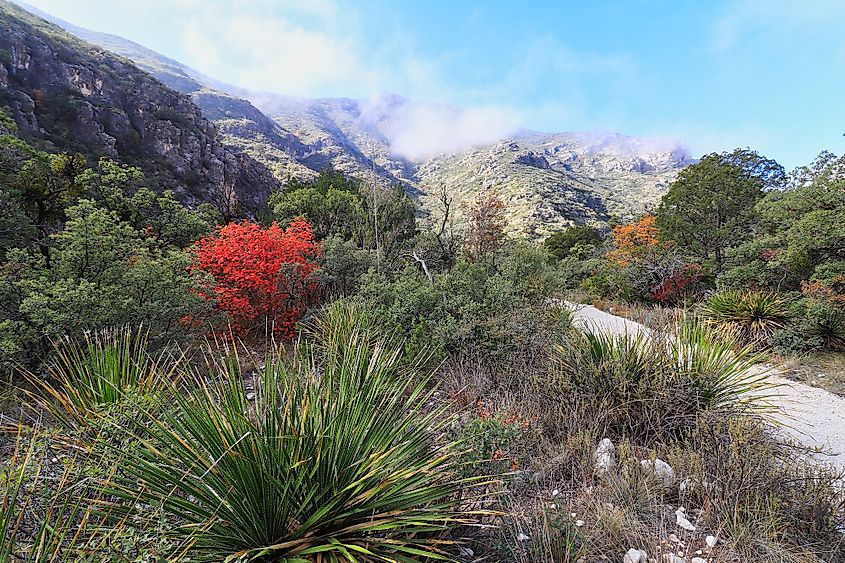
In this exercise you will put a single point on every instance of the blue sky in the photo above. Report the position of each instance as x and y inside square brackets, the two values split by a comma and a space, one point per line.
[769, 74]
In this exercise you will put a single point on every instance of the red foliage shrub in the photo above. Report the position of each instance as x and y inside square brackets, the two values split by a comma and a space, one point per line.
[676, 286]
[260, 277]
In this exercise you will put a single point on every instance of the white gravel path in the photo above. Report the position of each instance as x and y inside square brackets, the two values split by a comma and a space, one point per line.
[813, 416]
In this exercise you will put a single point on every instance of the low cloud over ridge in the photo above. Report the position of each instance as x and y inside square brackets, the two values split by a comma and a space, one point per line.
[417, 130]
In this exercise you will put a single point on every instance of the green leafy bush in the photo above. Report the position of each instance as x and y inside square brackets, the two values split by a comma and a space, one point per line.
[498, 316]
[561, 243]
[496, 444]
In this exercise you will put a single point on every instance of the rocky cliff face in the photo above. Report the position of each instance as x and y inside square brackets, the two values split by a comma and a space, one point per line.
[68, 94]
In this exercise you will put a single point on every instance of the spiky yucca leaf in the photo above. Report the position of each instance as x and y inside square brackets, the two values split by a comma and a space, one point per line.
[330, 458]
[97, 371]
[749, 316]
[723, 372]
[648, 386]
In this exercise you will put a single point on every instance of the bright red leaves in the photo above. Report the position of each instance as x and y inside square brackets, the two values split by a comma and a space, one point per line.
[260, 277]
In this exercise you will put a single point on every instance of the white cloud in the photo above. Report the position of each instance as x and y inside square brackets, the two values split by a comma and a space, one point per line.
[418, 130]
[274, 54]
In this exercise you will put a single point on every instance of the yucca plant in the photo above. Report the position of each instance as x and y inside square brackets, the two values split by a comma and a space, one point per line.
[827, 323]
[723, 372]
[331, 457]
[610, 364]
[625, 378]
[89, 374]
[749, 316]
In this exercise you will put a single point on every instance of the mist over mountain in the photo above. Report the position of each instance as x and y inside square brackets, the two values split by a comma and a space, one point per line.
[549, 180]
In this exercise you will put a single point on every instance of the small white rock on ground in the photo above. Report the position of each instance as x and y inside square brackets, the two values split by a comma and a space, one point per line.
[661, 470]
[605, 457]
[812, 416]
[682, 520]
[635, 556]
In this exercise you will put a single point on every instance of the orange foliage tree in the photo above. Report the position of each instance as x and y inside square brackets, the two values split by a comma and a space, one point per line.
[654, 269]
[635, 241]
[260, 277]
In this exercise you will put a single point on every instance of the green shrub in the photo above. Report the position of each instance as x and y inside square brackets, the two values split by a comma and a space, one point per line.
[750, 316]
[561, 243]
[796, 340]
[498, 316]
[496, 444]
[825, 322]
[332, 456]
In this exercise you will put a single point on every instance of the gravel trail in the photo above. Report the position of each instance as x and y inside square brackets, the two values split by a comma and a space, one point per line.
[813, 416]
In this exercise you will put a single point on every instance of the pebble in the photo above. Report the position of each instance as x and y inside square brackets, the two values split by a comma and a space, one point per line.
[522, 537]
[711, 541]
[661, 470]
[605, 457]
[680, 515]
[635, 556]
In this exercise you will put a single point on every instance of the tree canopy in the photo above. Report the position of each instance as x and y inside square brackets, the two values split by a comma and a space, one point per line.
[710, 206]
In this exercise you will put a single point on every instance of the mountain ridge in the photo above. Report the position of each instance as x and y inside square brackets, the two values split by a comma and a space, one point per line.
[70, 95]
[549, 180]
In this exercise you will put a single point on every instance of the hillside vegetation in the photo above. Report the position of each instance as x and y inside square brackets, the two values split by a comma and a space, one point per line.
[390, 371]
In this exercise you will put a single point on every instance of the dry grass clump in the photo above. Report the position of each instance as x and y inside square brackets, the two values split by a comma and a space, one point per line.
[689, 399]
[767, 499]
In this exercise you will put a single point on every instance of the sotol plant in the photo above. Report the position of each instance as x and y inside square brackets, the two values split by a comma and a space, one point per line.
[750, 316]
[333, 456]
[90, 374]
[649, 386]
